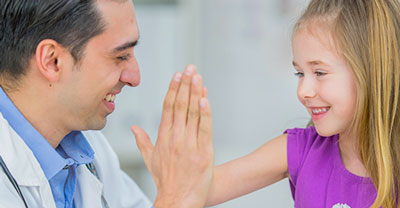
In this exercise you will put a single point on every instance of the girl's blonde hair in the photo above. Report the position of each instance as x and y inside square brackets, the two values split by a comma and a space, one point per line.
[367, 33]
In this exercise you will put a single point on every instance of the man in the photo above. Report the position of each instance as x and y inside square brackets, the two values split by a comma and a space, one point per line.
[63, 62]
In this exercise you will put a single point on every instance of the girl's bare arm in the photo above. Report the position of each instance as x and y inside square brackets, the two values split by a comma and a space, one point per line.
[263, 167]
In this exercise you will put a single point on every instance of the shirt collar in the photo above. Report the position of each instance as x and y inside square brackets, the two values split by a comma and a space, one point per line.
[77, 147]
[74, 144]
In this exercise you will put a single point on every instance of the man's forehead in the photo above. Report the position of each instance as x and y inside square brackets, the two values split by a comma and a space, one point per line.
[120, 27]
[118, 1]
[115, 13]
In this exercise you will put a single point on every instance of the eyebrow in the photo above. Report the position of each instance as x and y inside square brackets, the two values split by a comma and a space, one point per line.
[312, 63]
[125, 46]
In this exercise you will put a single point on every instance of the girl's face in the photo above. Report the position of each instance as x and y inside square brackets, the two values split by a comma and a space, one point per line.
[326, 85]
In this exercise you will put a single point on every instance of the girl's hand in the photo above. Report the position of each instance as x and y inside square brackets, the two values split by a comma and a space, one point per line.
[182, 160]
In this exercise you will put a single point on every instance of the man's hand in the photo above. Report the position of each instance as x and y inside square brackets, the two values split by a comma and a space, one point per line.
[182, 160]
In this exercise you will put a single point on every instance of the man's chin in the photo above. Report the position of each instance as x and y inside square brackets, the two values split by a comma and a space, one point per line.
[97, 124]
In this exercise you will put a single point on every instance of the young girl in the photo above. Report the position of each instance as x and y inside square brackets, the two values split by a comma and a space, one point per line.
[346, 54]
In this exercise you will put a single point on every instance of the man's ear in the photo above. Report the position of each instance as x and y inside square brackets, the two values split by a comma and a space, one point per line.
[47, 54]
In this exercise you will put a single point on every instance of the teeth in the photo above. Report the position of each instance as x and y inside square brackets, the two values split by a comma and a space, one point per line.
[109, 98]
[319, 110]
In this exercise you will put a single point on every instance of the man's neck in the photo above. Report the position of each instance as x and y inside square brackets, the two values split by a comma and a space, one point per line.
[40, 115]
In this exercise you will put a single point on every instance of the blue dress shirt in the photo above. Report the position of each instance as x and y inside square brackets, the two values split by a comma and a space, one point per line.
[59, 165]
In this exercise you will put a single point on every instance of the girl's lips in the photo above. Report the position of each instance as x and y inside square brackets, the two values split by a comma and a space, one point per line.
[318, 112]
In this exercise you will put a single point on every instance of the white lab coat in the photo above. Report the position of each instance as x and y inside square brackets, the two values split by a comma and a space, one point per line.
[118, 189]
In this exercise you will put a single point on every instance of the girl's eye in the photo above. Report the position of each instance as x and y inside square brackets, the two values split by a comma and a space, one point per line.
[299, 74]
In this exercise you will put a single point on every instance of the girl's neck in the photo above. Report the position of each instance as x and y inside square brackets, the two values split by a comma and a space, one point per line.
[350, 155]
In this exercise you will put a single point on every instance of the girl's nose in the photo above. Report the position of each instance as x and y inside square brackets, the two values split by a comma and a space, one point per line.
[306, 88]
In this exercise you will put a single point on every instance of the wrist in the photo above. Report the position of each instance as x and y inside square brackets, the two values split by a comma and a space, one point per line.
[176, 201]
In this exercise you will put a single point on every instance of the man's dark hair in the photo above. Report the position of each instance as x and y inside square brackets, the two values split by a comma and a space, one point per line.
[25, 23]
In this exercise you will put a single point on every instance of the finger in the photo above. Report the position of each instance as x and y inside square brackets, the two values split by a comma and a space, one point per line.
[168, 106]
[144, 144]
[205, 92]
[204, 140]
[194, 109]
[182, 102]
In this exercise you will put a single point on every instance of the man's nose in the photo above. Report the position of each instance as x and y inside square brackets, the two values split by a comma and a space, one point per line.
[306, 88]
[131, 74]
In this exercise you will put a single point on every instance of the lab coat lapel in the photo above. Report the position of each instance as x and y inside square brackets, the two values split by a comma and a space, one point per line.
[88, 188]
[24, 167]
[18, 157]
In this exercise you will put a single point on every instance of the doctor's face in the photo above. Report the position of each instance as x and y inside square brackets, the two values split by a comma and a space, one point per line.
[107, 65]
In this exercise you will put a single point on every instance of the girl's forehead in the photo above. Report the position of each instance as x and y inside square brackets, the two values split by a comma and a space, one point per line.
[319, 35]
[316, 44]
[316, 31]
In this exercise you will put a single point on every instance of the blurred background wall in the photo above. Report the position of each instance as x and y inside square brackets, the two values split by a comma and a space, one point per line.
[242, 50]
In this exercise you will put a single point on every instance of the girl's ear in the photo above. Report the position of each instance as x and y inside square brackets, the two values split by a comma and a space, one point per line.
[47, 54]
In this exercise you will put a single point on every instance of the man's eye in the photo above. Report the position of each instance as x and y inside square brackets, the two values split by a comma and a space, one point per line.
[319, 73]
[124, 58]
[299, 74]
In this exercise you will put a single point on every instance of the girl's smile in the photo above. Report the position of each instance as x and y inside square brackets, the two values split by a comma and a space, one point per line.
[318, 112]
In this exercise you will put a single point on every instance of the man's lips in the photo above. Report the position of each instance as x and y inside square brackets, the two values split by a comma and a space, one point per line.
[110, 97]
[109, 100]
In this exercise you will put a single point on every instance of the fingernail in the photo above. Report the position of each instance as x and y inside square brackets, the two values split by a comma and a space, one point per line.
[189, 71]
[205, 92]
[178, 77]
[195, 80]
[203, 102]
